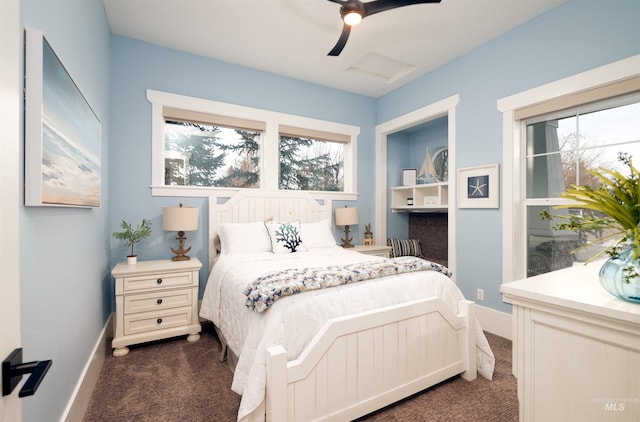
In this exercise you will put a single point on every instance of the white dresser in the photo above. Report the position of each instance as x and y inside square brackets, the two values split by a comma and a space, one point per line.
[576, 348]
[155, 300]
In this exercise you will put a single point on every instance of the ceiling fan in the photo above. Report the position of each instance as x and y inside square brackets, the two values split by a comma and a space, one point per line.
[353, 11]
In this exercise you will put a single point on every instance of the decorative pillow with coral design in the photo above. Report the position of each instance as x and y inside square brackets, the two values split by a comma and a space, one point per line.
[285, 237]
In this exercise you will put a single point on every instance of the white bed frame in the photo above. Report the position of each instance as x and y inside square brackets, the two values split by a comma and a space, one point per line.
[359, 363]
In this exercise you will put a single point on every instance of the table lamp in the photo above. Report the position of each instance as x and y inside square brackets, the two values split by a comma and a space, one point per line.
[346, 217]
[180, 219]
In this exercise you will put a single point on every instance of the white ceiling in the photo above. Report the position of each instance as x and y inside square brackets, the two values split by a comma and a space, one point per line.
[292, 37]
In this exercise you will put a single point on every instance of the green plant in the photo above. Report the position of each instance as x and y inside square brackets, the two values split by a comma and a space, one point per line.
[367, 231]
[618, 198]
[133, 236]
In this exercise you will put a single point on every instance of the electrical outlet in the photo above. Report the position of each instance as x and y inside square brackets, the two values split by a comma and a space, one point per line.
[480, 294]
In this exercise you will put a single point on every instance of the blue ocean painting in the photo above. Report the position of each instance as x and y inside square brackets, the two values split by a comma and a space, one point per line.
[70, 140]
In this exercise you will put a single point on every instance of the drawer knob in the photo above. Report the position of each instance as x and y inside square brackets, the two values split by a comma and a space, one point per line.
[159, 301]
[159, 320]
[159, 281]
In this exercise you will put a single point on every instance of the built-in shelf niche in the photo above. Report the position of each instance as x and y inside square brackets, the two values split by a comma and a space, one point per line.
[385, 188]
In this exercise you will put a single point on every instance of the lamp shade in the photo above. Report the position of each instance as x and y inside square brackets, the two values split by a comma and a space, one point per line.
[180, 218]
[346, 216]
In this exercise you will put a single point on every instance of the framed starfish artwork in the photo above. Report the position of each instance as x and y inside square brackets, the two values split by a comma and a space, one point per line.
[478, 187]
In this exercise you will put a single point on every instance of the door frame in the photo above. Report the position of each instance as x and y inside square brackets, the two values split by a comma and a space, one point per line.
[444, 107]
[10, 119]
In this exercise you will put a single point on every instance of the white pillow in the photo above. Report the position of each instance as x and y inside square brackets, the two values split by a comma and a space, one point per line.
[243, 237]
[317, 235]
[285, 237]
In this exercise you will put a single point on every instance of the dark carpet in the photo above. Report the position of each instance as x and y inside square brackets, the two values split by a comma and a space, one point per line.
[174, 380]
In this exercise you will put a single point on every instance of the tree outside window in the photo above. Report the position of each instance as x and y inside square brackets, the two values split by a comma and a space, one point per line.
[214, 156]
[311, 164]
[205, 155]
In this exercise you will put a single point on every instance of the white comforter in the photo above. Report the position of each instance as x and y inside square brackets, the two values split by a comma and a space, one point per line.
[292, 321]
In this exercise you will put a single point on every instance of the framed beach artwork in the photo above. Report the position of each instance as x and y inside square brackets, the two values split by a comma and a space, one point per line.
[62, 133]
[478, 187]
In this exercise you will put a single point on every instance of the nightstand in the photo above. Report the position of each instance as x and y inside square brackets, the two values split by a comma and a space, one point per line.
[155, 300]
[378, 250]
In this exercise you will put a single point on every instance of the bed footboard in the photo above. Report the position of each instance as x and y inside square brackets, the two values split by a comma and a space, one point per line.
[363, 362]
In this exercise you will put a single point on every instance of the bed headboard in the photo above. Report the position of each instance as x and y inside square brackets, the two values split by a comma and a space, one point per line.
[246, 206]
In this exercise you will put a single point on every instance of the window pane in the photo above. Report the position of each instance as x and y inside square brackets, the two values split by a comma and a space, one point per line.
[550, 250]
[545, 176]
[311, 164]
[561, 150]
[612, 126]
[547, 249]
[204, 155]
[549, 175]
[548, 160]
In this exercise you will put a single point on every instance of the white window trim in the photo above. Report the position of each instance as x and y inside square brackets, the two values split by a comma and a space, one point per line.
[269, 151]
[514, 249]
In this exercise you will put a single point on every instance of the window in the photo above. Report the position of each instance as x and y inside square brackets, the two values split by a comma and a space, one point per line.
[560, 148]
[552, 134]
[205, 148]
[311, 160]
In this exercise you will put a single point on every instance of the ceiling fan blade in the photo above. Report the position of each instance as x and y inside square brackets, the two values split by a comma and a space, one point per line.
[346, 29]
[383, 5]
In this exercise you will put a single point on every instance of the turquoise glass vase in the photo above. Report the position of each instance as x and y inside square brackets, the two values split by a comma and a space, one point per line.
[612, 277]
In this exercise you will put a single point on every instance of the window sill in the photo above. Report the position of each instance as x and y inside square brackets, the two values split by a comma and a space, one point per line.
[205, 192]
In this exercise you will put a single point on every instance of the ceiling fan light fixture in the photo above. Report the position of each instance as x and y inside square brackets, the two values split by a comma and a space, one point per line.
[354, 11]
[352, 17]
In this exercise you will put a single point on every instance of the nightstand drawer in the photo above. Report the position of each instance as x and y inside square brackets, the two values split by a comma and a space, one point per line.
[164, 299]
[375, 250]
[151, 321]
[384, 254]
[156, 281]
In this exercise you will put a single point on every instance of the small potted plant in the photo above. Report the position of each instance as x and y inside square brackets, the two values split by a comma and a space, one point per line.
[133, 236]
[368, 235]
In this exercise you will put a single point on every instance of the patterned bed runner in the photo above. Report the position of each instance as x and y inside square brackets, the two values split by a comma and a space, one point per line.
[265, 290]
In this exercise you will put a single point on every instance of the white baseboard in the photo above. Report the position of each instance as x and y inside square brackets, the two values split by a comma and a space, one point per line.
[495, 322]
[81, 396]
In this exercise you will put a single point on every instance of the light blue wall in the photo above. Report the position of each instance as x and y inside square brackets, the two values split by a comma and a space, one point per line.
[574, 37]
[138, 66]
[64, 252]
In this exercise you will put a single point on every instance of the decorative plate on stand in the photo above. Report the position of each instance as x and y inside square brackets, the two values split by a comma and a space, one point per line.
[441, 163]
